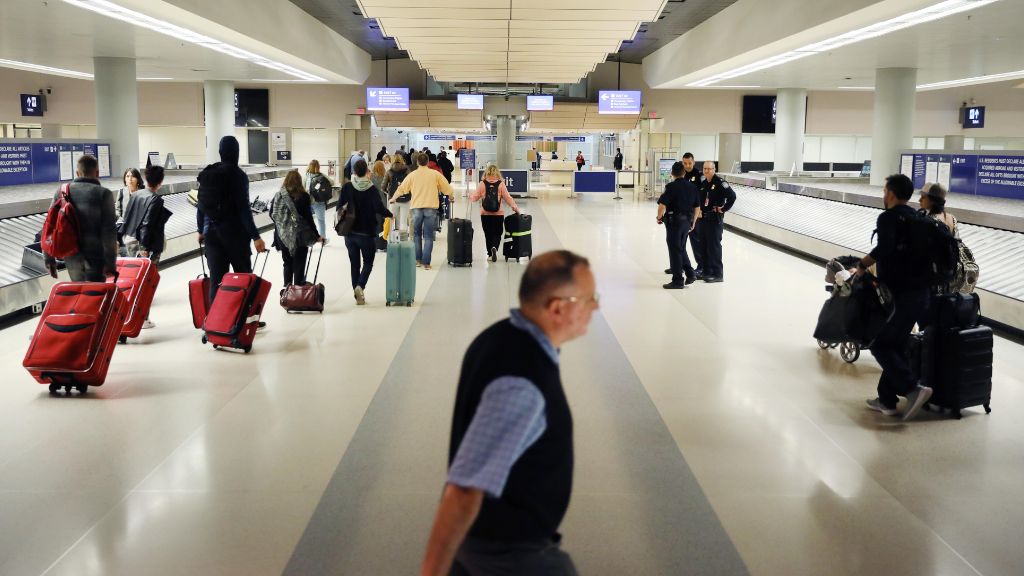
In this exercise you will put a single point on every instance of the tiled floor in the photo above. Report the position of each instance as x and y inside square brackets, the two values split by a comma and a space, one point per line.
[192, 461]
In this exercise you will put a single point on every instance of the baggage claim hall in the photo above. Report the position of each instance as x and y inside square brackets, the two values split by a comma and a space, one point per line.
[384, 287]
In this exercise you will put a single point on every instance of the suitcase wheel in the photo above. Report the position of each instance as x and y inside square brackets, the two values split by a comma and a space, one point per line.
[215, 347]
[849, 351]
[205, 340]
[408, 304]
[83, 388]
[247, 349]
[122, 339]
[388, 304]
[823, 345]
[54, 388]
[988, 409]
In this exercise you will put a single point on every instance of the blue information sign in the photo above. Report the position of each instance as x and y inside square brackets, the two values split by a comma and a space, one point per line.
[467, 158]
[40, 162]
[387, 99]
[517, 181]
[45, 163]
[478, 138]
[529, 138]
[442, 137]
[15, 164]
[595, 181]
[618, 102]
[978, 173]
[1001, 176]
[570, 138]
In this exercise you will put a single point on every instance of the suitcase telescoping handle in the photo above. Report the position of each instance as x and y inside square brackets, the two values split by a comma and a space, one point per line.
[309, 259]
[202, 257]
[256, 261]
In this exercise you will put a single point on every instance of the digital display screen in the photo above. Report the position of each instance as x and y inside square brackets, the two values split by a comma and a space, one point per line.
[759, 114]
[471, 101]
[974, 117]
[252, 107]
[540, 103]
[33, 104]
[387, 99]
[618, 102]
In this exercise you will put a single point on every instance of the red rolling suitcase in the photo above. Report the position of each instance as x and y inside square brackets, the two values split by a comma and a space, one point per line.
[235, 311]
[76, 335]
[199, 294]
[137, 280]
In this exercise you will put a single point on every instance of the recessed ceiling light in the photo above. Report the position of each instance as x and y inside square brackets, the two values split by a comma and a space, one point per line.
[46, 69]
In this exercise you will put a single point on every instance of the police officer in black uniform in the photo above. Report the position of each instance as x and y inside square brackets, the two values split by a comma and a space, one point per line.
[692, 175]
[717, 197]
[678, 209]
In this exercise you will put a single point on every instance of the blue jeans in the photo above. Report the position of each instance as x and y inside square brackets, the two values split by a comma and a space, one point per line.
[320, 212]
[424, 225]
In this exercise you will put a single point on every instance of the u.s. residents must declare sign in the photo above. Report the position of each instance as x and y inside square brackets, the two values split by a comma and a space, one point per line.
[618, 102]
[41, 162]
[387, 99]
[982, 173]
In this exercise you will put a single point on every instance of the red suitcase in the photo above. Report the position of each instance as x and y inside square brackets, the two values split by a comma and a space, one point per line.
[199, 294]
[137, 280]
[76, 335]
[235, 311]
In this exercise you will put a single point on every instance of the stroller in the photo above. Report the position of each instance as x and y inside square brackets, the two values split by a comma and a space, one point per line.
[854, 313]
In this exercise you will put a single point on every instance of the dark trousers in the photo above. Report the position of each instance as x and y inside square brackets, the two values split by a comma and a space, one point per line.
[481, 558]
[295, 265]
[697, 244]
[360, 246]
[494, 228]
[223, 254]
[678, 261]
[890, 347]
[711, 238]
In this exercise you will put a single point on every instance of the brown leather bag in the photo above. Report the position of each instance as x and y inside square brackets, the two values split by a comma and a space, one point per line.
[308, 297]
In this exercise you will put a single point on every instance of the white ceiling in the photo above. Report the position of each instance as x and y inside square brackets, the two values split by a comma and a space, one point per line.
[981, 42]
[431, 114]
[529, 41]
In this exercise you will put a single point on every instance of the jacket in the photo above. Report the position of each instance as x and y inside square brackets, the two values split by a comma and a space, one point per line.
[293, 220]
[144, 220]
[240, 224]
[503, 198]
[425, 185]
[395, 173]
[367, 205]
[97, 224]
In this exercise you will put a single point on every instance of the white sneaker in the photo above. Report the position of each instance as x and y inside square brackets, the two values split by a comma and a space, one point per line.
[876, 405]
[148, 324]
[916, 400]
[360, 297]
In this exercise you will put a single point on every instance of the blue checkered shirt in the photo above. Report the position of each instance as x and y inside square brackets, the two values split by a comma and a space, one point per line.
[508, 420]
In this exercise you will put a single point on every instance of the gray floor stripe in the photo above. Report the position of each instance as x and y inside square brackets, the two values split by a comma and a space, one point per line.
[637, 509]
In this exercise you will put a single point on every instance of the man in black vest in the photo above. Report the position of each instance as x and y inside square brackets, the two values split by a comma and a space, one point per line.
[511, 453]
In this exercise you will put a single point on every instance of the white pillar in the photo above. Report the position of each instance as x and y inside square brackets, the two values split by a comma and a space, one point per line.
[895, 90]
[219, 103]
[506, 142]
[790, 123]
[117, 111]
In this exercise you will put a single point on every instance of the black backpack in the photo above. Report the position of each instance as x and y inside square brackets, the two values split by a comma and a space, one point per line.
[929, 249]
[214, 190]
[395, 181]
[492, 196]
[320, 188]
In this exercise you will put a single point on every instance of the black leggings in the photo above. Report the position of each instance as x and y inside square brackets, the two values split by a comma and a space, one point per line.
[295, 265]
[494, 227]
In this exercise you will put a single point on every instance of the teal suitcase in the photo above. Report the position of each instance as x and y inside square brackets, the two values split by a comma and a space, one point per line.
[401, 271]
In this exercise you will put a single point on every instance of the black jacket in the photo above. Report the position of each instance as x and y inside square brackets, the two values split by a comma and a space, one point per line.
[144, 219]
[618, 161]
[897, 268]
[716, 193]
[367, 204]
[239, 224]
[97, 224]
[680, 198]
[446, 167]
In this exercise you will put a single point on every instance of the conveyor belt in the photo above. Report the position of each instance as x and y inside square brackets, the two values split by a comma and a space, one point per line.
[1000, 253]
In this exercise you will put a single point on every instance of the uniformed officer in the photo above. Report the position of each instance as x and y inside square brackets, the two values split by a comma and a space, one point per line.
[692, 175]
[678, 209]
[717, 197]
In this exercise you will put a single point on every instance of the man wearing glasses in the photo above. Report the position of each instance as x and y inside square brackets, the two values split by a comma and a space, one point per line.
[510, 461]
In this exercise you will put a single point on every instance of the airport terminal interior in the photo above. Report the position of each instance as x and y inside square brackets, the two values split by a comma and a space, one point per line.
[715, 428]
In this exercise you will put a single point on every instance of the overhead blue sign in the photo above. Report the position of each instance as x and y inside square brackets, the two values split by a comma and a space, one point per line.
[618, 102]
[484, 138]
[540, 103]
[467, 158]
[387, 99]
[471, 101]
[570, 138]
[42, 162]
[443, 137]
[529, 138]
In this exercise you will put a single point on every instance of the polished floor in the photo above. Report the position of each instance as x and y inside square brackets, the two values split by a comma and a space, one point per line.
[713, 436]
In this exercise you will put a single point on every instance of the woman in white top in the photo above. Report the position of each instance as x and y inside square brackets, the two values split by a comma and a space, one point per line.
[933, 202]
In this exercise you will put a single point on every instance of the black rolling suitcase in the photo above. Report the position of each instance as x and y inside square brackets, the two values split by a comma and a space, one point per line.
[518, 237]
[956, 354]
[460, 242]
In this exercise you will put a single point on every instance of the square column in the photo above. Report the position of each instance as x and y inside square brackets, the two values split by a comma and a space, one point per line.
[895, 93]
[117, 111]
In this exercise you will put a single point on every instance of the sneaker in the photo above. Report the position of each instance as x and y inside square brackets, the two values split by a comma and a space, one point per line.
[673, 286]
[916, 400]
[494, 254]
[426, 266]
[690, 280]
[148, 324]
[360, 297]
[876, 405]
[419, 264]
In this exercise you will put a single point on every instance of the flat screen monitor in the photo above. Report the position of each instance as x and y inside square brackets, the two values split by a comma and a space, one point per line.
[471, 101]
[540, 103]
[252, 107]
[387, 99]
[618, 102]
[33, 104]
[974, 117]
[759, 114]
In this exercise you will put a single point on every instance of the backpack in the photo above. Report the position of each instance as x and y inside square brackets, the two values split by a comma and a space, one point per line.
[320, 188]
[929, 249]
[60, 229]
[492, 196]
[214, 184]
[395, 182]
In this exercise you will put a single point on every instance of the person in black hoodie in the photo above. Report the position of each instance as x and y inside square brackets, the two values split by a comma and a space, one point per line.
[361, 195]
[445, 165]
[227, 235]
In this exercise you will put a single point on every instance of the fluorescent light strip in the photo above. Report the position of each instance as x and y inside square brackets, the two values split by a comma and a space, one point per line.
[112, 10]
[861, 88]
[152, 79]
[45, 69]
[975, 80]
[934, 12]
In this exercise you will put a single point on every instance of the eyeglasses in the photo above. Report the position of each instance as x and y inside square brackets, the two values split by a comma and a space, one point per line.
[595, 299]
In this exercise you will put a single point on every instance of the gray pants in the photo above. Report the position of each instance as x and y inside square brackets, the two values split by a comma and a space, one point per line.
[82, 269]
[482, 558]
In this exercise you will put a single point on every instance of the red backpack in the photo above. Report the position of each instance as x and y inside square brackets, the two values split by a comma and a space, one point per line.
[60, 229]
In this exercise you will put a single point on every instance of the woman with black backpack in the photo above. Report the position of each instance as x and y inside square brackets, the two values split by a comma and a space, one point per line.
[392, 179]
[319, 207]
[492, 192]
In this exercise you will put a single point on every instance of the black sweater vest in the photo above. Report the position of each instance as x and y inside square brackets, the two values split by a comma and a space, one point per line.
[536, 495]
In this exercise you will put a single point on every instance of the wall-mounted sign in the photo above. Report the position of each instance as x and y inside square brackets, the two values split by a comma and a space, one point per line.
[570, 138]
[441, 137]
[467, 158]
[983, 173]
[284, 155]
[33, 104]
[540, 103]
[42, 162]
[618, 102]
[974, 117]
[471, 101]
[387, 99]
[482, 138]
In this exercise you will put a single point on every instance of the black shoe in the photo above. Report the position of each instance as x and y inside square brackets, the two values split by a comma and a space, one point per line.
[698, 272]
[494, 254]
[690, 280]
[668, 270]
[713, 279]
[673, 286]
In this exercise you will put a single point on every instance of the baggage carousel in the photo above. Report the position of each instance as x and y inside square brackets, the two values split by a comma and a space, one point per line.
[26, 286]
[823, 229]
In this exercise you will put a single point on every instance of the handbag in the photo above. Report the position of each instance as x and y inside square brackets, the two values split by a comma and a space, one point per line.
[345, 219]
[308, 297]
